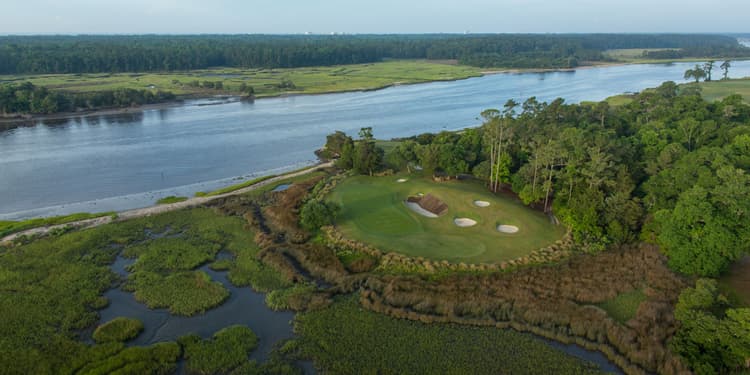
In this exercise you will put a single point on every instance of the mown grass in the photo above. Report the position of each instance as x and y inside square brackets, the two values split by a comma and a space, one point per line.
[717, 90]
[10, 227]
[266, 82]
[171, 199]
[624, 307]
[345, 339]
[374, 212]
[118, 330]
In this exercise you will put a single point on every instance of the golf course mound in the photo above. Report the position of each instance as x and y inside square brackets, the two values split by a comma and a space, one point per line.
[481, 203]
[510, 229]
[464, 222]
[394, 218]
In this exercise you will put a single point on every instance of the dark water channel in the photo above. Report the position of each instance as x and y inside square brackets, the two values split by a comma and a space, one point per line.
[247, 307]
[244, 306]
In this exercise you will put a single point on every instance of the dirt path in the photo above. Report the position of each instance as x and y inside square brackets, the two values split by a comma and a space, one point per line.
[156, 209]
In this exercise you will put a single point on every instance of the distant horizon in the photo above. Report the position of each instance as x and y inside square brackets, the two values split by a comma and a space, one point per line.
[734, 34]
[191, 17]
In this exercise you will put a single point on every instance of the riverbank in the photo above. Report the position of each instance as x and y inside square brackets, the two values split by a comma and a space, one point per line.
[305, 81]
[153, 210]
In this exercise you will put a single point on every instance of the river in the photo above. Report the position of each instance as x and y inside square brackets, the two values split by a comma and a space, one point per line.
[118, 162]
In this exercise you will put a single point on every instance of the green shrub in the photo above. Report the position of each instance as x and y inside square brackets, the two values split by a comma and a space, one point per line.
[118, 329]
[171, 199]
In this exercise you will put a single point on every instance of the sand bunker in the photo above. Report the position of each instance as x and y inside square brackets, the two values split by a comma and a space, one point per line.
[400, 180]
[481, 203]
[414, 206]
[464, 222]
[507, 228]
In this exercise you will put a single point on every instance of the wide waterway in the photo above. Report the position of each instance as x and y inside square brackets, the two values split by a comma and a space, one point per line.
[118, 162]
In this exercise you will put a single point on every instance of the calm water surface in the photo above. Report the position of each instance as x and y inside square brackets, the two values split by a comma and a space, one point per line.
[104, 163]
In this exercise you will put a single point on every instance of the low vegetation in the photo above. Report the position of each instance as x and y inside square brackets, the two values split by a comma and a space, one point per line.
[171, 199]
[345, 339]
[239, 186]
[10, 227]
[225, 353]
[118, 330]
[625, 306]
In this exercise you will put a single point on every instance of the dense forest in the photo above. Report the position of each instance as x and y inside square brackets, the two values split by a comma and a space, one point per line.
[147, 53]
[26, 98]
[669, 169]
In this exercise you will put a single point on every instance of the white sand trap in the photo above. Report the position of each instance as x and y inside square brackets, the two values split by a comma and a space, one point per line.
[418, 209]
[481, 203]
[400, 180]
[507, 228]
[464, 222]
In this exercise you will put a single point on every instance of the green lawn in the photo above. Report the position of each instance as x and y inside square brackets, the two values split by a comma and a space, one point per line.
[374, 212]
[624, 307]
[309, 80]
[717, 90]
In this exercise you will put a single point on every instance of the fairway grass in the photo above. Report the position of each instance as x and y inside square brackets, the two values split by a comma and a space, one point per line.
[374, 212]
[717, 90]
[266, 82]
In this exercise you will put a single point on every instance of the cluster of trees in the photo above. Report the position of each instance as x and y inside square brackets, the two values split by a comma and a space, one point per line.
[363, 156]
[93, 54]
[669, 167]
[714, 337]
[698, 52]
[218, 85]
[704, 71]
[25, 98]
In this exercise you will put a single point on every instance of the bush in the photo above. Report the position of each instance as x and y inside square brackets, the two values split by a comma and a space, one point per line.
[118, 330]
[315, 214]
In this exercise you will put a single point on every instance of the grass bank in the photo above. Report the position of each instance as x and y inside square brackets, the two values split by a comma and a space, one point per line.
[265, 82]
[10, 227]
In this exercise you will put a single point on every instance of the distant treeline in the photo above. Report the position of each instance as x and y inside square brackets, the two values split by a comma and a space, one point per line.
[26, 98]
[146, 53]
[698, 52]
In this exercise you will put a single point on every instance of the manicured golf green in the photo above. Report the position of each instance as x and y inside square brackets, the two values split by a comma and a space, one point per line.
[374, 212]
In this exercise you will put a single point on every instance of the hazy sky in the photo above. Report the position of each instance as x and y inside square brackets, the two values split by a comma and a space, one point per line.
[371, 16]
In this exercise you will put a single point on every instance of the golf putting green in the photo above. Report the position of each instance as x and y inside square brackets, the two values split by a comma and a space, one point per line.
[374, 212]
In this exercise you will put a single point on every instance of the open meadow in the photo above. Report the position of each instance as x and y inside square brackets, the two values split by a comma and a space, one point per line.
[265, 82]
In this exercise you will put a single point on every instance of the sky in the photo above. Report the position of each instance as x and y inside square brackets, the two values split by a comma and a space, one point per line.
[370, 16]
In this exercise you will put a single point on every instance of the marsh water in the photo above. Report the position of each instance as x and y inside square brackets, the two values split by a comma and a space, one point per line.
[246, 307]
[118, 162]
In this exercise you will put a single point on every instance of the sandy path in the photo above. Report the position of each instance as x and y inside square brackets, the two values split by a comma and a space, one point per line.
[159, 208]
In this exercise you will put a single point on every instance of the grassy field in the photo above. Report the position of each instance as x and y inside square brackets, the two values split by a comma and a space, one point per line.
[717, 90]
[266, 82]
[10, 227]
[345, 339]
[624, 307]
[374, 212]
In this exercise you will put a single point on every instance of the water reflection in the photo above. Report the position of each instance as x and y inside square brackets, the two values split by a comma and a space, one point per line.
[128, 160]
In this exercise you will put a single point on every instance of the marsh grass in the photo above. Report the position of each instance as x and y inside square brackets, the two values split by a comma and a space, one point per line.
[346, 339]
[118, 330]
[625, 306]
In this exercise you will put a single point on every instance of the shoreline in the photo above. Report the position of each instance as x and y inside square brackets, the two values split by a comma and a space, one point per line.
[20, 120]
[157, 208]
